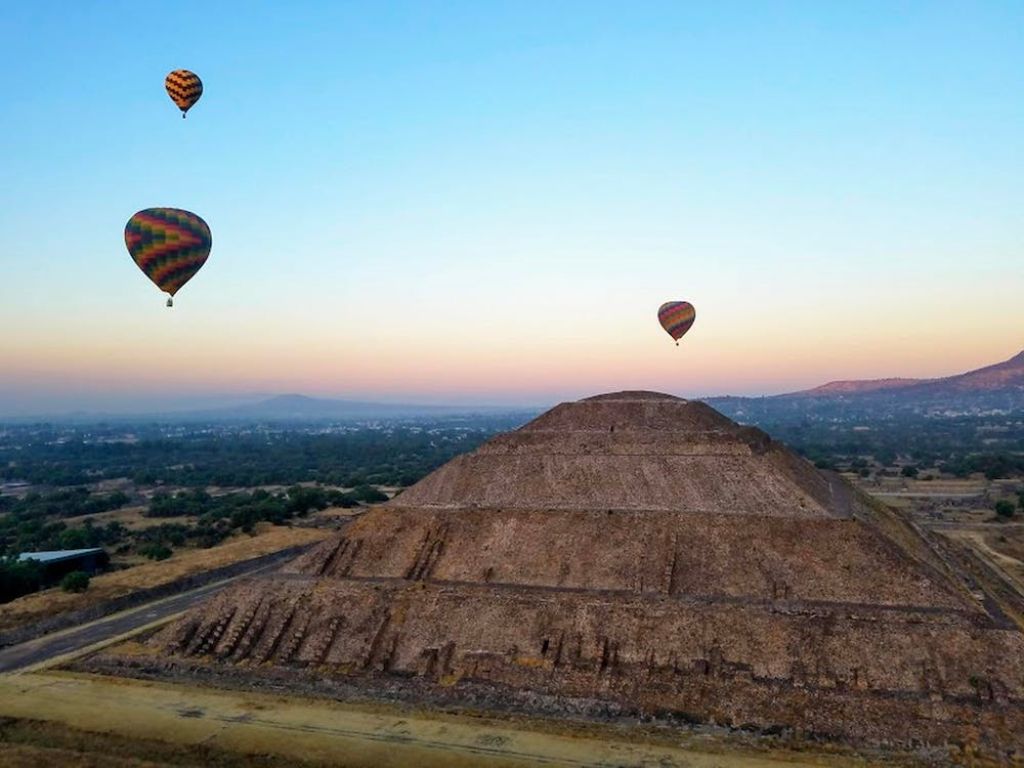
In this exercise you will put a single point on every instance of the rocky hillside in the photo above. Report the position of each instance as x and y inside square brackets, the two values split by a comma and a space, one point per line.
[1006, 375]
[995, 388]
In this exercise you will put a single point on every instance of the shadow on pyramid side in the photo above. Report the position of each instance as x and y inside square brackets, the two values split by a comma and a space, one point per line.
[634, 553]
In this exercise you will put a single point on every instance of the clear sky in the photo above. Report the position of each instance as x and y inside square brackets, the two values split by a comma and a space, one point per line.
[487, 201]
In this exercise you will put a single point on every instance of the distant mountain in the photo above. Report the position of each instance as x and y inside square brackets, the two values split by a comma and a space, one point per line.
[998, 387]
[1007, 376]
[857, 387]
[282, 408]
[303, 408]
[992, 378]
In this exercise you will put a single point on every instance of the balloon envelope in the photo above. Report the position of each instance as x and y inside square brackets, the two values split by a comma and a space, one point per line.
[169, 245]
[676, 317]
[184, 88]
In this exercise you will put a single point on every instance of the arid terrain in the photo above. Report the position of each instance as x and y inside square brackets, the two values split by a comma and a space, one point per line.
[961, 510]
[631, 555]
[136, 723]
[631, 579]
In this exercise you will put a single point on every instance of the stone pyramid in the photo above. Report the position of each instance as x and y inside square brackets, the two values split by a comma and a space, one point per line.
[637, 553]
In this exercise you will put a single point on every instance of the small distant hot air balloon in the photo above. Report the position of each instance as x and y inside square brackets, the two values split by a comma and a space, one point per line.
[676, 317]
[184, 88]
[169, 245]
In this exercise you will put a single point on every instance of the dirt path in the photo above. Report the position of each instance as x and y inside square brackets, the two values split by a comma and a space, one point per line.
[337, 734]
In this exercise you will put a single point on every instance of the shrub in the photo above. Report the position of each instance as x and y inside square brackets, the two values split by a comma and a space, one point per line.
[76, 581]
[1005, 509]
[18, 577]
[368, 494]
[74, 538]
[338, 499]
[909, 471]
[302, 500]
[156, 551]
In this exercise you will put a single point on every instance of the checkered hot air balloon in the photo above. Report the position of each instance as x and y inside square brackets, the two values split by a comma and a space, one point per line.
[169, 245]
[676, 317]
[184, 88]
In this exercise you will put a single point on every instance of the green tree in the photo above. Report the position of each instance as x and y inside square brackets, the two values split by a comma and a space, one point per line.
[910, 471]
[1005, 509]
[368, 494]
[76, 581]
[74, 538]
[18, 577]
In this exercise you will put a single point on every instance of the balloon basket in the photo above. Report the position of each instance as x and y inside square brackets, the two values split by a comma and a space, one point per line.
[170, 302]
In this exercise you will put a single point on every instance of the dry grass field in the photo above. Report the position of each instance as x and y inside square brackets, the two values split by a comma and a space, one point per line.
[131, 518]
[183, 563]
[82, 720]
[32, 743]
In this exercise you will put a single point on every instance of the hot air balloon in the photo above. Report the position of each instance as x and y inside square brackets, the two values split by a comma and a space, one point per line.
[184, 88]
[169, 245]
[676, 317]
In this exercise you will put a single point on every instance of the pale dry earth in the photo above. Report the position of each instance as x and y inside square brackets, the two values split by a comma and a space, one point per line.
[325, 733]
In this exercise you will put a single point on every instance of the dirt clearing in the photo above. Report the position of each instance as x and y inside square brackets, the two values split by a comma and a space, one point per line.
[321, 733]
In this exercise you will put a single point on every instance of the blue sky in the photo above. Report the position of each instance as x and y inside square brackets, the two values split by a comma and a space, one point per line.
[488, 201]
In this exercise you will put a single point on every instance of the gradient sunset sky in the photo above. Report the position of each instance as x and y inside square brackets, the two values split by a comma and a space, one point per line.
[487, 202]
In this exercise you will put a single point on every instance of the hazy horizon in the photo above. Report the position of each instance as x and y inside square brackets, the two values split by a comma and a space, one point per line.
[486, 204]
[120, 403]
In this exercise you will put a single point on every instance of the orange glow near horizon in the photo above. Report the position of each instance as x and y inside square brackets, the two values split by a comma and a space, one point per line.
[523, 369]
[493, 212]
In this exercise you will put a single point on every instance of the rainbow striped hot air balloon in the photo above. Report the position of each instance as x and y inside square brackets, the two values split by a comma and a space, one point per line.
[676, 317]
[169, 245]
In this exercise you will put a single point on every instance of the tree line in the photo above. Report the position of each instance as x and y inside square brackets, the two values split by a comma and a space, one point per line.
[233, 457]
